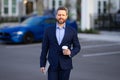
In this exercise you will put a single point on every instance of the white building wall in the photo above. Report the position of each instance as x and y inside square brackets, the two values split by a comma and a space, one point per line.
[87, 10]
[115, 6]
[50, 4]
[10, 8]
[95, 6]
[73, 10]
[20, 8]
[90, 7]
[56, 4]
[45, 4]
[1, 7]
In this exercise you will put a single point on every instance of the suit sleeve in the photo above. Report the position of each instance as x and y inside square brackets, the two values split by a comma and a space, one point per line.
[76, 45]
[45, 46]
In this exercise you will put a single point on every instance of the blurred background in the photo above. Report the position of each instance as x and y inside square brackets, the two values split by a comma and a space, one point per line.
[100, 49]
[89, 14]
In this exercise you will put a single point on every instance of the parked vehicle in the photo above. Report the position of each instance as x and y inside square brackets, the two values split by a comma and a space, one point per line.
[30, 30]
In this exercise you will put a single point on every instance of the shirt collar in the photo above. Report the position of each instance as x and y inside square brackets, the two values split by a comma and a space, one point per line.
[57, 26]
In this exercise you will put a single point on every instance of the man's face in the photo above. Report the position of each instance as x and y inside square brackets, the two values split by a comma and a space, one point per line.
[61, 16]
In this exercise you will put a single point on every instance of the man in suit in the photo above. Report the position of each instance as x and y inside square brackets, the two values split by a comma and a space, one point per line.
[55, 38]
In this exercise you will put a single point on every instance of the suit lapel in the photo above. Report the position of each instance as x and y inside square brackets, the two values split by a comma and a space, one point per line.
[65, 35]
[54, 33]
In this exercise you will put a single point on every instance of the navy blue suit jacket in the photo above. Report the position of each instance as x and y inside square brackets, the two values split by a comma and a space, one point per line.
[51, 47]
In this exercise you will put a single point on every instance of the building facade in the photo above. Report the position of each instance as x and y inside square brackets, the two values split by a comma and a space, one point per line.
[25, 7]
[90, 8]
[54, 4]
[18, 7]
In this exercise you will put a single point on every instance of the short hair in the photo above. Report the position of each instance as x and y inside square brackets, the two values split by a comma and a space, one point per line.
[63, 8]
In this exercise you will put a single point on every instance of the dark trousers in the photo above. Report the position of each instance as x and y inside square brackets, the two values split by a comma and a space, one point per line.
[59, 75]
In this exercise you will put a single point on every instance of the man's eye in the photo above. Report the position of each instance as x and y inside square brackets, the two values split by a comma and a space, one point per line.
[61, 15]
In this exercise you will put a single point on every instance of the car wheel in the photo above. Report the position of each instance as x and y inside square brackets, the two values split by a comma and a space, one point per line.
[28, 38]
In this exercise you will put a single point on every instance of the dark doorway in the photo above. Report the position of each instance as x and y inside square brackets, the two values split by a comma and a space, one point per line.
[29, 7]
[78, 10]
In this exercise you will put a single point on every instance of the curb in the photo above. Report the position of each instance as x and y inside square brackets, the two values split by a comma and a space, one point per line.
[103, 37]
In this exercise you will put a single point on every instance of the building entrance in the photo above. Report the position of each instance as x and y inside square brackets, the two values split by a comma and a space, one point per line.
[29, 7]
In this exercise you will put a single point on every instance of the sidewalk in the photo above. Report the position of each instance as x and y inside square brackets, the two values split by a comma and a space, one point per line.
[5, 24]
[104, 35]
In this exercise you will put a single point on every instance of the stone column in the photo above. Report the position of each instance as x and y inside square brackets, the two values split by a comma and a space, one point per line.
[87, 11]
[39, 4]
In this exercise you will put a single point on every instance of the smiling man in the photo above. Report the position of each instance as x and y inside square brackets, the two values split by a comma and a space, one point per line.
[60, 43]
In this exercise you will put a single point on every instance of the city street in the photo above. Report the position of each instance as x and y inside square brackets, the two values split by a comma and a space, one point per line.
[98, 60]
[96, 21]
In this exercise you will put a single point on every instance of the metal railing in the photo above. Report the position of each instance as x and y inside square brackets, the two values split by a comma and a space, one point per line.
[107, 22]
[8, 19]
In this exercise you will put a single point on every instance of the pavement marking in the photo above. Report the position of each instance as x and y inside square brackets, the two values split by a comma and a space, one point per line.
[101, 54]
[100, 45]
[22, 46]
[84, 40]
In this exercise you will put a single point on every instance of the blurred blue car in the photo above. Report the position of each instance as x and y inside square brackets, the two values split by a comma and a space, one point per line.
[30, 30]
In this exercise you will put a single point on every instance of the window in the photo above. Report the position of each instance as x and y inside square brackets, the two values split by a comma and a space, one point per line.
[50, 21]
[60, 3]
[5, 2]
[99, 11]
[6, 7]
[13, 10]
[104, 7]
[13, 6]
[6, 10]
[53, 4]
[13, 2]
[99, 7]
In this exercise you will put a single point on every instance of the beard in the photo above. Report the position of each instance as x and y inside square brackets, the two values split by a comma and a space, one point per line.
[61, 21]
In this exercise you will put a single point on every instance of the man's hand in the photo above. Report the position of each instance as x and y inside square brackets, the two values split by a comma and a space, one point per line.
[42, 69]
[66, 52]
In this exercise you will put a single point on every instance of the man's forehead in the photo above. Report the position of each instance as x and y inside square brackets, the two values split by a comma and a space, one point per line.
[61, 12]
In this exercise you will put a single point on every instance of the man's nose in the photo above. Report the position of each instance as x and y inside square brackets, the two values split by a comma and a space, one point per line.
[60, 16]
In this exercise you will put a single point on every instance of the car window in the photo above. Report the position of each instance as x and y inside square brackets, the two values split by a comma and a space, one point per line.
[32, 21]
[50, 21]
